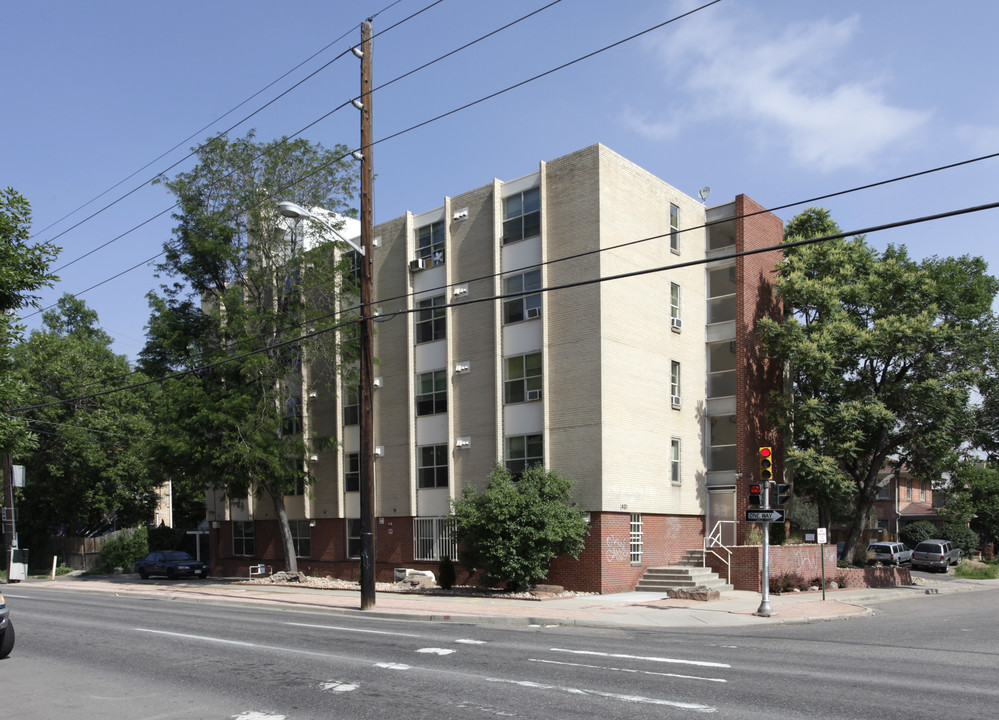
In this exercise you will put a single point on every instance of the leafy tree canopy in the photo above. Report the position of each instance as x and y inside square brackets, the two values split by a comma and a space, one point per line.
[973, 498]
[883, 352]
[90, 469]
[513, 530]
[244, 315]
[23, 271]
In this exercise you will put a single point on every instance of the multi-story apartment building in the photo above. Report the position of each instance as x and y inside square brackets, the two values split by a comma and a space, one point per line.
[587, 316]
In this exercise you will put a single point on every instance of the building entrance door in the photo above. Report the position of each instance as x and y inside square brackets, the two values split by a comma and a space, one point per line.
[721, 513]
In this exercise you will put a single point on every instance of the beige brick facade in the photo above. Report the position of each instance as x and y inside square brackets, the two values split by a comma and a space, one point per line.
[609, 410]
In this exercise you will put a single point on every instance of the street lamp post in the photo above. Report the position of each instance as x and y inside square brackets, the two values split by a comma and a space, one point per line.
[297, 212]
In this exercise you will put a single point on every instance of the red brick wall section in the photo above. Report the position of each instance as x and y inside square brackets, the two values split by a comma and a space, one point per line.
[757, 376]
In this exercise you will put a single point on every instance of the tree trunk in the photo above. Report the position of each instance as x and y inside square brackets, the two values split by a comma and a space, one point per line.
[290, 560]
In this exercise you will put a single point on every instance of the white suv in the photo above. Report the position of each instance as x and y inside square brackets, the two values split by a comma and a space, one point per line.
[890, 553]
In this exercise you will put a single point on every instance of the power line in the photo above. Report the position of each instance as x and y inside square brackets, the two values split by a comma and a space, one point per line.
[552, 288]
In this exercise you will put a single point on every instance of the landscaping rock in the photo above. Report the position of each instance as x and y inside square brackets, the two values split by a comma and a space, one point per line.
[700, 592]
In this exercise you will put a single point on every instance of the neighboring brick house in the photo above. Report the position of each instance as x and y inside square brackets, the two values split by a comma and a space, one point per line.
[646, 387]
[902, 500]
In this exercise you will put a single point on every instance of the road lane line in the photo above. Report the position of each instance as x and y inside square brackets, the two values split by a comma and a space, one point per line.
[630, 670]
[697, 707]
[357, 630]
[676, 661]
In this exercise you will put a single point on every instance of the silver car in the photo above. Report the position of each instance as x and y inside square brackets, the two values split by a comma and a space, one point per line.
[890, 553]
[935, 555]
[6, 629]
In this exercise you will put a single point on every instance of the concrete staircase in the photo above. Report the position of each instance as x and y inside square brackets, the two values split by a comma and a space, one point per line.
[688, 573]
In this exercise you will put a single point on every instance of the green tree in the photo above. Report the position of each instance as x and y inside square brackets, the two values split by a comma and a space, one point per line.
[90, 468]
[883, 353]
[244, 318]
[513, 530]
[973, 498]
[915, 532]
[23, 270]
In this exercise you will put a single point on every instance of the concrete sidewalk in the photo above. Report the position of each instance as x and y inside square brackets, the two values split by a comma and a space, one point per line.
[632, 609]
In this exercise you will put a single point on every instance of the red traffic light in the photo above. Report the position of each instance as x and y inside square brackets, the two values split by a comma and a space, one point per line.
[765, 452]
[754, 489]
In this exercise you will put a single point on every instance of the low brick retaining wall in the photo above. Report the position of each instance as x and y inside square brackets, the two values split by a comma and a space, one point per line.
[805, 561]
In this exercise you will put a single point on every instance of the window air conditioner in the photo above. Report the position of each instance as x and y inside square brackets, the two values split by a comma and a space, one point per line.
[533, 312]
[675, 323]
[418, 264]
[675, 399]
[533, 394]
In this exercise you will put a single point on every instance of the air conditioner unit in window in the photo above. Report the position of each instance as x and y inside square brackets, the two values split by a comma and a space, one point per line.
[533, 312]
[675, 323]
[675, 399]
[533, 394]
[418, 264]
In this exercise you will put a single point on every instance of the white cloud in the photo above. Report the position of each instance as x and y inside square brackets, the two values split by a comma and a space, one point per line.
[799, 89]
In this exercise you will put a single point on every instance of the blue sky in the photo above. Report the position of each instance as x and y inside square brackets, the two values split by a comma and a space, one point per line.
[782, 100]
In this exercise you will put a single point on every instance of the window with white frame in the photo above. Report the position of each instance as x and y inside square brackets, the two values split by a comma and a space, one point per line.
[674, 461]
[674, 306]
[431, 466]
[523, 451]
[522, 215]
[353, 537]
[922, 491]
[430, 244]
[524, 307]
[431, 392]
[636, 539]
[884, 492]
[674, 228]
[522, 378]
[351, 405]
[674, 383]
[301, 537]
[908, 488]
[243, 538]
[352, 472]
[434, 538]
[431, 320]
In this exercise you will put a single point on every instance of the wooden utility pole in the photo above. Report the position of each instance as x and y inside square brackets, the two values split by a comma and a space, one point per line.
[367, 458]
[8, 510]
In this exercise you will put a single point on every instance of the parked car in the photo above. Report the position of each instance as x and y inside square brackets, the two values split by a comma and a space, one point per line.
[935, 554]
[6, 629]
[890, 553]
[172, 564]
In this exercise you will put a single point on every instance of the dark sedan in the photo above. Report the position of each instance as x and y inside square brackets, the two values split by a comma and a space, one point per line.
[172, 564]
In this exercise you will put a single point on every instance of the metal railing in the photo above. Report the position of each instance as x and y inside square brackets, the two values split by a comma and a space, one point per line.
[713, 540]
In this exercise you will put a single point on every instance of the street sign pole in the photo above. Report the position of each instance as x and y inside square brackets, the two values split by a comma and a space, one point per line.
[765, 610]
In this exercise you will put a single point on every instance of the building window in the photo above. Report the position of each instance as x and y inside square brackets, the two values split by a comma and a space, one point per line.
[884, 492]
[431, 470]
[674, 461]
[353, 537]
[922, 491]
[674, 306]
[636, 539]
[291, 422]
[525, 307]
[522, 378]
[434, 538]
[674, 383]
[674, 228]
[431, 323]
[908, 488]
[301, 537]
[352, 405]
[430, 244]
[522, 215]
[431, 392]
[523, 451]
[352, 472]
[242, 538]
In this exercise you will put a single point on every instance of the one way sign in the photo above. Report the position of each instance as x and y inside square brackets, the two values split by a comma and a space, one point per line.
[775, 515]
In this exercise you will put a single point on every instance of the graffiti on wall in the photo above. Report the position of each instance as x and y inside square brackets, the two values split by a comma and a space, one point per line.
[617, 550]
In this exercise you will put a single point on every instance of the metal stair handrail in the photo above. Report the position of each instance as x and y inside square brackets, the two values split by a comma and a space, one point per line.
[713, 540]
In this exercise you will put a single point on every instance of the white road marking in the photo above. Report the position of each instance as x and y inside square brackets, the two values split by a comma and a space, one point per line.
[700, 663]
[471, 642]
[238, 643]
[393, 666]
[630, 670]
[697, 707]
[435, 651]
[337, 686]
[254, 715]
[350, 629]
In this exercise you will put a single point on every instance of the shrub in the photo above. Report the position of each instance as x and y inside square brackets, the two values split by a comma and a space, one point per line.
[124, 549]
[787, 582]
[445, 572]
[962, 536]
[754, 535]
[914, 533]
[974, 571]
[513, 530]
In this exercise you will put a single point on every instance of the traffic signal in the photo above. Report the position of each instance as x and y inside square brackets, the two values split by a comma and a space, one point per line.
[783, 493]
[755, 495]
[766, 464]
